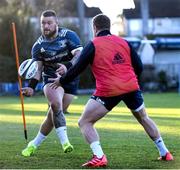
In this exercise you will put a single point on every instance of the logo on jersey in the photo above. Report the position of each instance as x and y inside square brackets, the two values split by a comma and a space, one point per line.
[52, 56]
[42, 50]
[62, 43]
[118, 59]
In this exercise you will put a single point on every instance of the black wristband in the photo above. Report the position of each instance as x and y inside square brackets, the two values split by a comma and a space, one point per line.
[68, 65]
[33, 83]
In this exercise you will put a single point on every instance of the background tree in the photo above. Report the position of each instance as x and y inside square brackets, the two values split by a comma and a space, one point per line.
[14, 11]
[64, 8]
[26, 14]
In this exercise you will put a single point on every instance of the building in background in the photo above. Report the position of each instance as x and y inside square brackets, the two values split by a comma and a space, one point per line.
[164, 18]
[163, 30]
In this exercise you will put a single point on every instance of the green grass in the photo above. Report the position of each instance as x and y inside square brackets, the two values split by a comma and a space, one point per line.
[123, 139]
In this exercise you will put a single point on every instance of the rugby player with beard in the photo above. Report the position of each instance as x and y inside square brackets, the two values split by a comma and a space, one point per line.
[56, 50]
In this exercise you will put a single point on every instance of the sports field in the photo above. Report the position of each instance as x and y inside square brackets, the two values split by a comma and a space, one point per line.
[123, 139]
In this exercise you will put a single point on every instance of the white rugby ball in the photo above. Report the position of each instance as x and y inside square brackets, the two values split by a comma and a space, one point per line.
[28, 69]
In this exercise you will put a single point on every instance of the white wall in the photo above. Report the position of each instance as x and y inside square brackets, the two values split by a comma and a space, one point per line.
[156, 26]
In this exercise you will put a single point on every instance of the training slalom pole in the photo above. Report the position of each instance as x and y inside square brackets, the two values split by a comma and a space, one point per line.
[19, 78]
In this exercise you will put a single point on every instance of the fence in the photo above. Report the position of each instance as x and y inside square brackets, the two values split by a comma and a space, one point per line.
[13, 89]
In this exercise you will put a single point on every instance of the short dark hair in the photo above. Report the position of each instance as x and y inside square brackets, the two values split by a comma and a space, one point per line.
[102, 22]
[49, 13]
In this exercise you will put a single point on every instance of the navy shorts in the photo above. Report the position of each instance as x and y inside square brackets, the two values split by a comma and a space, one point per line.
[70, 88]
[133, 100]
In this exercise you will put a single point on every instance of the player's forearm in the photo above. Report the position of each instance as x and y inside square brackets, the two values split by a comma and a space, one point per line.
[34, 81]
[86, 57]
[76, 57]
[73, 72]
[74, 60]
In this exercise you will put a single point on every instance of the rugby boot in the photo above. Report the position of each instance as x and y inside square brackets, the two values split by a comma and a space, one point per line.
[29, 150]
[96, 162]
[167, 157]
[67, 147]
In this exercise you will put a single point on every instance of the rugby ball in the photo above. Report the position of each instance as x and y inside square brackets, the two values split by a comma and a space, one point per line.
[28, 69]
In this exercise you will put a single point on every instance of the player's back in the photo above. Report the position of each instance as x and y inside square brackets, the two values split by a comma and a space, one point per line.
[112, 66]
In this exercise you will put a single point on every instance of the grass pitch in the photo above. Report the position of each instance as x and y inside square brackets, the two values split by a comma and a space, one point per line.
[123, 139]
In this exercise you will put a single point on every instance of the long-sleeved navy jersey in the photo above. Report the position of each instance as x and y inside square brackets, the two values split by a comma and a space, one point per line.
[59, 50]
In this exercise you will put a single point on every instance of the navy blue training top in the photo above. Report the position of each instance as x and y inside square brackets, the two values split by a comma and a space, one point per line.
[58, 50]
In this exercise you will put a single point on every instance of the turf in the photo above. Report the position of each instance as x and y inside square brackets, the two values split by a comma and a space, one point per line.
[123, 139]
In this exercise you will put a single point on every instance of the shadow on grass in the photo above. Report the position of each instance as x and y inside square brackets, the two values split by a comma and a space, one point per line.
[112, 116]
[124, 149]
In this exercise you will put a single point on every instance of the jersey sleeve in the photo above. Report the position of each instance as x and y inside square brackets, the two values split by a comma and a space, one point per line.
[35, 52]
[86, 57]
[136, 61]
[73, 41]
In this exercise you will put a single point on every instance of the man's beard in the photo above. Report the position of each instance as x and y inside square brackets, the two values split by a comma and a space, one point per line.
[51, 34]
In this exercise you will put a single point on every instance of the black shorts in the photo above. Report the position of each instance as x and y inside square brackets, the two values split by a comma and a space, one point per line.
[133, 100]
[70, 88]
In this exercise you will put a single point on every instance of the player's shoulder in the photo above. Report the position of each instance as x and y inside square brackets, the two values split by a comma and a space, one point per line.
[119, 39]
[38, 42]
[65, 32]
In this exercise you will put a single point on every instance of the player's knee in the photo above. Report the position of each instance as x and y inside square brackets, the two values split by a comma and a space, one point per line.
[82, 122]
[143, 119]
[55, 106]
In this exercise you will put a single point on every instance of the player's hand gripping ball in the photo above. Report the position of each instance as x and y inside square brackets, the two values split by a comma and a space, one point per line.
[28, 69]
